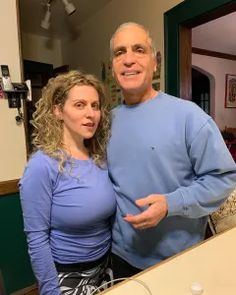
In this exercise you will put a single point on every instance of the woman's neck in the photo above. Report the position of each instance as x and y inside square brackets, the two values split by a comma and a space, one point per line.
[77, 153]
[75, 147]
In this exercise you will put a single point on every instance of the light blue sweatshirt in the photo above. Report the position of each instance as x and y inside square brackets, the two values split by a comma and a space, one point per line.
[66, 216]
[168, 146]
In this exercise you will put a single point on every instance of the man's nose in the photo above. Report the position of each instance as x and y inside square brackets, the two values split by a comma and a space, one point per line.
[129, 58]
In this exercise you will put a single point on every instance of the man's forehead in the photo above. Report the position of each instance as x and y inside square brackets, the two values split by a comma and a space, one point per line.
[130, 36]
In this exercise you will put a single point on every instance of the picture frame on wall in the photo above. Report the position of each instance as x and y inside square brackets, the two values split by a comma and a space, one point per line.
[156, 84]
[230, 91]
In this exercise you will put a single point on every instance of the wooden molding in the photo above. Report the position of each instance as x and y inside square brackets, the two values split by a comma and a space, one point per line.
[186, 63]
[9, 187]
[32, 290]
[213, 53]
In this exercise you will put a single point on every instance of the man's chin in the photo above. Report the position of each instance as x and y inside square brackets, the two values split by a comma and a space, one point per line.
[130, 86]
[131, 90]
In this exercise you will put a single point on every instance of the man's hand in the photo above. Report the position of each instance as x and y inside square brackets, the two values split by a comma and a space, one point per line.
[156, 211]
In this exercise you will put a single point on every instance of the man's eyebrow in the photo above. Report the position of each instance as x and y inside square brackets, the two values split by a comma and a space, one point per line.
[119, 48]
[140, 45]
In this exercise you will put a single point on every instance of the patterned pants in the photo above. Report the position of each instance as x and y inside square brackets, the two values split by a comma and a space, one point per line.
[85, 282]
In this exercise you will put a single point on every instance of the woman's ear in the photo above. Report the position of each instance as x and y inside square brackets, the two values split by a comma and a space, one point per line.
[57, 112]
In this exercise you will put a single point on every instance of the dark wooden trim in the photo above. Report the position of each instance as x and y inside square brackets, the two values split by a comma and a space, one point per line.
[27, 144]
[9, 187]
[213, 53]
[211, 15]
[186, 62]
[32, 290]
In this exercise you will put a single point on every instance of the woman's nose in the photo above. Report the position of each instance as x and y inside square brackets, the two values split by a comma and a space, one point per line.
[89, 111]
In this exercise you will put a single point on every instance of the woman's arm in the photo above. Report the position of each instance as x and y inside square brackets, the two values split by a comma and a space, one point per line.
[36, 201]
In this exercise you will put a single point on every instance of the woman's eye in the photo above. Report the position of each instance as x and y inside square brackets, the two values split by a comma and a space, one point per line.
[79, 105]
[96, 107]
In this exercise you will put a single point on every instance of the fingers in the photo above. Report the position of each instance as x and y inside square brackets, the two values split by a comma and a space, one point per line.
[141, 221]
[146, 201]
[156, 211]
[136, 219]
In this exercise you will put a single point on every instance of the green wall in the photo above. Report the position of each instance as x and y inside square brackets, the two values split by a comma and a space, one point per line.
[14, 260]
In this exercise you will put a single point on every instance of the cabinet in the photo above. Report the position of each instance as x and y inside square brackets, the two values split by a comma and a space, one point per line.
[39, 74]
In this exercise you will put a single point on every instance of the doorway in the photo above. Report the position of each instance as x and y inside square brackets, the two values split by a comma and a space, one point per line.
[201, 90]
[179, 22]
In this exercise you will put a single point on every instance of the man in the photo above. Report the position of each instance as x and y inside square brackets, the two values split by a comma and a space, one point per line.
[167, 160]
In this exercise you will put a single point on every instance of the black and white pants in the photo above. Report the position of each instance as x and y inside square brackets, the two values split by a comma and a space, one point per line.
[84, 282]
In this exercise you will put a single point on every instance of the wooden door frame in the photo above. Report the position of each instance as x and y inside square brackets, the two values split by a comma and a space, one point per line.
[178, 24]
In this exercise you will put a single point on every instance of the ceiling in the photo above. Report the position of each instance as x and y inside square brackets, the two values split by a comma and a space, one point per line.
[217, 35]
[33, 11]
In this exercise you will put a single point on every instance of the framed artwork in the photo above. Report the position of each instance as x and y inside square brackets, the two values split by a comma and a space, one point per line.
[156, 84]
[157, 75]
[230, 91]
[114, 96]
[1, 92]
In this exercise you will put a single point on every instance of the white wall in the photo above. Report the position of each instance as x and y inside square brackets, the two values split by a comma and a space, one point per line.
[42, 49]
[218, 67]
[92, 47]
[12, 147]
[87, 52]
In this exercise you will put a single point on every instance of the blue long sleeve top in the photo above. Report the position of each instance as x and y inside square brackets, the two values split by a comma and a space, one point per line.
[66, 215]
[166, 146]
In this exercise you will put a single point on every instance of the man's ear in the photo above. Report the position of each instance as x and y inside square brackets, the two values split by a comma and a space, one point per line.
[155, 64]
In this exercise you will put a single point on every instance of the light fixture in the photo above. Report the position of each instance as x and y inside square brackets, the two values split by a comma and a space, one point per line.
[45, 23]
[69, 7]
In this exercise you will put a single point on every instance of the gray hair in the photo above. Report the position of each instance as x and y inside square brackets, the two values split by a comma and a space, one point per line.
[129, 24]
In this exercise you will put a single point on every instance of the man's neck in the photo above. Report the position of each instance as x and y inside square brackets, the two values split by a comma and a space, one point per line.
[136, 98]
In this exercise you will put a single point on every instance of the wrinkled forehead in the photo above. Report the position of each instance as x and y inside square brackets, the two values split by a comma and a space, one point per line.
[130, 36]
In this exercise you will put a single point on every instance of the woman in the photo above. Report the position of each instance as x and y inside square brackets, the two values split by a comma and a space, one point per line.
[67, 198]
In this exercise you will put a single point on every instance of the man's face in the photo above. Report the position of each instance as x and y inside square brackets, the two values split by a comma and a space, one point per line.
[133, 63]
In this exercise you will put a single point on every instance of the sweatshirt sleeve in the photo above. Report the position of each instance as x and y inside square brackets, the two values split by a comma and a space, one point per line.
[215, 178]
[36, 201]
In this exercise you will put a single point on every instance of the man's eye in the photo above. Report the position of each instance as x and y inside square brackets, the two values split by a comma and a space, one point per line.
[140, 50]
[118, 53]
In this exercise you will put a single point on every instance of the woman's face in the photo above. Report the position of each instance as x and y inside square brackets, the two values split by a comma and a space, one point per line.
[81, 113]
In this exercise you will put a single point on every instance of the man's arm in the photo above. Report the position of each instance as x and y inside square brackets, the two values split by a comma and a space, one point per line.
[215, 179]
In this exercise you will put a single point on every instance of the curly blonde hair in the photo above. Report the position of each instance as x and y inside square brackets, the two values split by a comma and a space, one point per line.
[48, 129]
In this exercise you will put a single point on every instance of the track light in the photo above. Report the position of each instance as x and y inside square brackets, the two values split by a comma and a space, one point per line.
[45, 23]
[69, 7]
